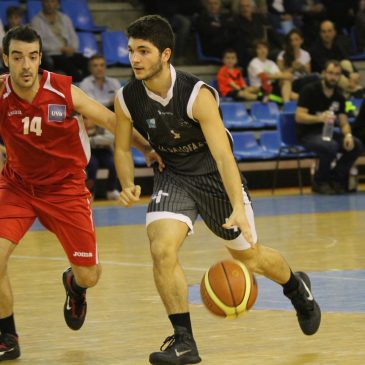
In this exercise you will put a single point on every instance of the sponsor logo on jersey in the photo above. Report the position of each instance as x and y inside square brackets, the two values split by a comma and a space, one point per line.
[82, 254]
[14, 112]
[176, 135]
[164, 113]
[56, 112]
[151, 123]
[185, 124]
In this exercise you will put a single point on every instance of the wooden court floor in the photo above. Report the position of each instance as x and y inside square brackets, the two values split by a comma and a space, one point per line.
[126, 320]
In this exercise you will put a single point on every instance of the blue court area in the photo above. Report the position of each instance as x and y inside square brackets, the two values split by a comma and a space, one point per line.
[335, 291]
[268, 206]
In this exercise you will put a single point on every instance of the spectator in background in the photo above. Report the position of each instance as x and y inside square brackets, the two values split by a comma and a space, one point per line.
[360, 27]
[265, 73]
[251, 26]
[311, 13]
[103, 89]
[217, 31]
[14, 16]
[231, 82]
[329, 47]
[341, 13]
[320, 103]
[60, 40]
[296, 60]
[180, 15]
[279, 17]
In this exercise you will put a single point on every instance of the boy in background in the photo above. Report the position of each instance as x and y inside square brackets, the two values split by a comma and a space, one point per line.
[231, 82]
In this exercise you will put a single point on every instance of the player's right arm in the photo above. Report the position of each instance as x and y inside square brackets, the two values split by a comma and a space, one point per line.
[123, 157]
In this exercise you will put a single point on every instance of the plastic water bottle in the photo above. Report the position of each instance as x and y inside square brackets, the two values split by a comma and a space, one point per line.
[328, 127]
[353, 179]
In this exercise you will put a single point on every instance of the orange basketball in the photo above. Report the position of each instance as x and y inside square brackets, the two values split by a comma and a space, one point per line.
[228, 289]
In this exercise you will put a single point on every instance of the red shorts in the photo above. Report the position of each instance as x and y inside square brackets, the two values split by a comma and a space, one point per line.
[68, 215]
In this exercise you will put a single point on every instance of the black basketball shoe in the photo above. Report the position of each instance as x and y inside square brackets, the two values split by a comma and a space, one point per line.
[9, 347]
[308, 311]
[180, 349]
[75, 305]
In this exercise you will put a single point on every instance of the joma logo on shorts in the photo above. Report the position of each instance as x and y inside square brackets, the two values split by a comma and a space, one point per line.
[82, 254]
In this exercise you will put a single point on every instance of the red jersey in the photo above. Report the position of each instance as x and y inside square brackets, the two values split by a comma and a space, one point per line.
[45, 141]
[225, 76]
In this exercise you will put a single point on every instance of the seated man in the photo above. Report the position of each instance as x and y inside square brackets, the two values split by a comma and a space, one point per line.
[329, 47]
[320, 103]
[60, 40]
[101, 88]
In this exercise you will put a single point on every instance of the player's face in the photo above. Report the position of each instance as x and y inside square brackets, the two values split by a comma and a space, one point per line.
[23, 62]
[146, 60]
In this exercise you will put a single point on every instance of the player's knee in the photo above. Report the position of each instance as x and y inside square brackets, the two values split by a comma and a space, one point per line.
[163, 253]
[88, 277]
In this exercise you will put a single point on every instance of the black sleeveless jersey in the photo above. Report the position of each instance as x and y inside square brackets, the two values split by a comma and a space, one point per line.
[168, 123]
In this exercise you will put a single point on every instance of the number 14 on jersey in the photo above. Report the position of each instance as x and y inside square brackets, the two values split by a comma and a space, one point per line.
[34, 125]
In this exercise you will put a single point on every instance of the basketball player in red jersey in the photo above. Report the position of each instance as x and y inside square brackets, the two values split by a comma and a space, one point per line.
[47, 151]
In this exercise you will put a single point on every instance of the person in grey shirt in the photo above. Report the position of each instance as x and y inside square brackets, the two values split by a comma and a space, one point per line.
[103, 89]
[60, 40]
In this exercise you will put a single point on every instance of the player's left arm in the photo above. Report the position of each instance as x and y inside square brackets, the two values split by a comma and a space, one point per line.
[205, 111]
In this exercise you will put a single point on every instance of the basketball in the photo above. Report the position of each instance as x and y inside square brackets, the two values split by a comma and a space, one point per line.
[228, 289]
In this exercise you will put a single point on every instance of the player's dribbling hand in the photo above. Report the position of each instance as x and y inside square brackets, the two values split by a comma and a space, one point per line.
[239, 220]
[152, 156]
[130, 195]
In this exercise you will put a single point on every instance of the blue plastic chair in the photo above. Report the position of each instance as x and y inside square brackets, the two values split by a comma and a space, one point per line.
[4, 6]
[290, 106]
[138, 158]
[87, 44]
[290, 147]
[265, 113]
[235, 116]
[200, 54]
[270, 141]
[80, 15]
[246, 147]
[33, 8]
[115, 48]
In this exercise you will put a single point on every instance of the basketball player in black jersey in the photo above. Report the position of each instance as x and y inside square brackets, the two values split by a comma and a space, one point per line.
[180, 117]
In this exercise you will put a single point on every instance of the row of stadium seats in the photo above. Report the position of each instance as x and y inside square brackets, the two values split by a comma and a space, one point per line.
[237, 116]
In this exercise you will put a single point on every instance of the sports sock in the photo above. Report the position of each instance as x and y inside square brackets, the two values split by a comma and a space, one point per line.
[291, 285]
[7, 325]
[181, 320]
[77, 289]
